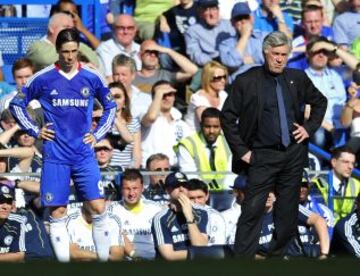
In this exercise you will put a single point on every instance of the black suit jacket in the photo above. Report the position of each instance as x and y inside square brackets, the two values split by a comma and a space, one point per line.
[244, 105]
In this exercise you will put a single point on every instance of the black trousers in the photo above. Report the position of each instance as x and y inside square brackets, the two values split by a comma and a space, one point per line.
[278, 170]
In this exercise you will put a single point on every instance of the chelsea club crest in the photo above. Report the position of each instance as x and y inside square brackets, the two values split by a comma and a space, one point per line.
[85, 91]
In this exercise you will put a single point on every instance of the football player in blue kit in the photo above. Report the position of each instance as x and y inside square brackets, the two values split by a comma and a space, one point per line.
[66, 92]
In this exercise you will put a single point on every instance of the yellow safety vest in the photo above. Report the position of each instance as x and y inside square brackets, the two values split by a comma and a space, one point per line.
[342, 207]
[196, 146]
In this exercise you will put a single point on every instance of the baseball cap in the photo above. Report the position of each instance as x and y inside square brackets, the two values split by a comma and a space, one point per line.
[6, 192]
[239, 9]
[208, 3]
[175, 179]
[240, 182]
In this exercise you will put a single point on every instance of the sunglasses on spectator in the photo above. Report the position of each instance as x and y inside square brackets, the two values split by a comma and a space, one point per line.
[151, 52]
[102, 149]
[170, 94]
[218, 78]
[124, 28]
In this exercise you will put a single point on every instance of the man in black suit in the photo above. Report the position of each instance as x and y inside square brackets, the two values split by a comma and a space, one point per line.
[263, 122]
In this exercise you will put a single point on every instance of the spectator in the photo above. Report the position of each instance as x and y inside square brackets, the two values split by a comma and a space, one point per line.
[312, 26]
[122, 42]
[342, 163]
[344, 55]
[351, 112]
[203, 38]
[136, 214]
[157, 163]
[346, 235]
[175, 22]
[304, 243]
[216, 229]
[206, 151]
[69, 7]
[43, 53]
[162, 125]
[104, 152]
[269, 18]
[124, 71]
[150, 72]
[180, 226]
[232, 215]
[22, 70]
[347, 25]
[7, 122]
[244, 50]
[12, 229]
[82, 247]
[212, 94]
[312, 203]
[329, 82]
[146, 14]
[126, 130]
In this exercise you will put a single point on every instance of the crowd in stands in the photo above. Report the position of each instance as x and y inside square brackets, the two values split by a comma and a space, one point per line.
[169, 64]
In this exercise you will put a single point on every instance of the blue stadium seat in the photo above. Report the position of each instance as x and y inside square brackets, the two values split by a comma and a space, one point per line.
[16, 35]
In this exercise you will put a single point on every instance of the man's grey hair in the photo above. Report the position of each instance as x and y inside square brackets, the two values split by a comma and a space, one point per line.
[56, 18]
[276, 39]
[123, 60]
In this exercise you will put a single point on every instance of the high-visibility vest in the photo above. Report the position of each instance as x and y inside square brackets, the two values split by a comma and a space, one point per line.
[196, 146]
[342, 207]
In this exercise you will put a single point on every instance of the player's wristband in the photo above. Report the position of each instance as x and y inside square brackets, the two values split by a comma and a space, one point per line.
[191, 222]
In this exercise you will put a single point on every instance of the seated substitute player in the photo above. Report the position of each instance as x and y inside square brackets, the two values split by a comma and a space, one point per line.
[216, 229]
[82, 246]
[12, 230]
[135, 214]
[181, 225]
[66, 92]
[232, 214]
[312, 239]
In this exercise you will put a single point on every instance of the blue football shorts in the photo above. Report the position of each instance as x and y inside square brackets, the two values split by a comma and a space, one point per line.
[55, 182]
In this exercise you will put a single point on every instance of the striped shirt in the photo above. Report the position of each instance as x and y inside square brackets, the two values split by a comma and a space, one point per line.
[123, 155]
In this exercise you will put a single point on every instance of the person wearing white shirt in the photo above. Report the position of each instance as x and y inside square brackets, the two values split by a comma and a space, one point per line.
[124, 71]
[162, 125]
[124, 31]
[232, 214]
[82, 247]
[136, 214]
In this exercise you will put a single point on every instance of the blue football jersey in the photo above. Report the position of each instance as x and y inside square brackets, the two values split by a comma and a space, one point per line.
[68, 104]
[12, 235]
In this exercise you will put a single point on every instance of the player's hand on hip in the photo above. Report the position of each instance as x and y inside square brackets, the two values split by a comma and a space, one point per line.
[46, 133]
[300, 133]
[89, 139]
